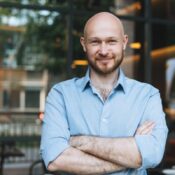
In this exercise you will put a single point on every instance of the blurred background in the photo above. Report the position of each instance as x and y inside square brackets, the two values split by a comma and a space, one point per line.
[39, 46]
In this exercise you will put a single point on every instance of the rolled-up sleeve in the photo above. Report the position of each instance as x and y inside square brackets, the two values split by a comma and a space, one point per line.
[55, 130]
[152, 146]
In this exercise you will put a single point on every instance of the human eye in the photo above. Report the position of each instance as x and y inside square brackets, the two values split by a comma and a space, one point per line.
[112, 41]
[94, 42]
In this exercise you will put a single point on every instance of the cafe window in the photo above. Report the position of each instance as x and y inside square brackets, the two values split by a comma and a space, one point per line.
[127, 7]
[32, 98]
[170, 82]
[11, 99]
[15, 99]
[6, 99]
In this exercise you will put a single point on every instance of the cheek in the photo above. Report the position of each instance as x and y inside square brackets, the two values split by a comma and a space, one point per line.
[117, 52]
[91, 51]
[120, 49]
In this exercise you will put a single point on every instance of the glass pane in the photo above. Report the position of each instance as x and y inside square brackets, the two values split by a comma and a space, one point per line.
[127, 7]
[32, 98]
[163, 65]
[79, 64]
[15, 99]
[26, 35]
[5, 99]
[92, 5]
[10, 99]
[170, 82]
[132, 61]
[61, 3]
[33, 49]
[163, 9]
[163, 36]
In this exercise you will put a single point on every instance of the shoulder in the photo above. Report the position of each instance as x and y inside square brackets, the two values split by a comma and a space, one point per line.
[140, 87]
[59, 90]
[67, 85]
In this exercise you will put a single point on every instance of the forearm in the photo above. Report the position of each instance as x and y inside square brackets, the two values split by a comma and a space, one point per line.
[75, 161]
[121, 151]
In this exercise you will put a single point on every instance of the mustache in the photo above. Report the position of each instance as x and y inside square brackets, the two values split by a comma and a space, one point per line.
[106, 57]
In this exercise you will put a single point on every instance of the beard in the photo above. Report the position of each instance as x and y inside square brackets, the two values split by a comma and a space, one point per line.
[104, 70]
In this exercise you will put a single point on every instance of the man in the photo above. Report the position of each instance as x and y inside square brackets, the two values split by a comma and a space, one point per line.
[103, 123]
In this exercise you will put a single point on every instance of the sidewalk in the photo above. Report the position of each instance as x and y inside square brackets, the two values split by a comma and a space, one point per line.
[22, 169]
[16, 169]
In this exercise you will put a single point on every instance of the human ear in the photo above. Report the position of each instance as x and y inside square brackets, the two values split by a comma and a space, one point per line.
[82, 41]
[125, 41]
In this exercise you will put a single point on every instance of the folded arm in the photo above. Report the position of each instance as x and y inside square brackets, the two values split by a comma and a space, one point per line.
[75, 161]
[94, 155]
[121, 151]
[145, 149]
[82, 160]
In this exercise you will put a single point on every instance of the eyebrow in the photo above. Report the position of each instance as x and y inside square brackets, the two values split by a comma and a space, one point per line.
[97, 38]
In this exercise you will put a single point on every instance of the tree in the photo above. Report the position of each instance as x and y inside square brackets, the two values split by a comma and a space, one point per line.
[44, 42]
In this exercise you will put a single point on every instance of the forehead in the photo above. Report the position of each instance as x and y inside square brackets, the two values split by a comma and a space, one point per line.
[106, 26]
[103, 32]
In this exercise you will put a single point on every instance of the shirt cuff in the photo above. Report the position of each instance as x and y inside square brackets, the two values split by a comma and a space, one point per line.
[53, 151]
[148, 151]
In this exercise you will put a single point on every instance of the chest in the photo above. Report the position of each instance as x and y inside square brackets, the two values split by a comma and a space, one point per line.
[119, 116]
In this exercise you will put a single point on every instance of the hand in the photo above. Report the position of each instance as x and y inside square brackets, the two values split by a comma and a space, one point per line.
[76, 141]
[146, 128]
[81, 142]
[73, 141]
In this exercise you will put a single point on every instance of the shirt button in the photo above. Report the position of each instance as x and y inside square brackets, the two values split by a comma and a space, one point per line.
[104, 120]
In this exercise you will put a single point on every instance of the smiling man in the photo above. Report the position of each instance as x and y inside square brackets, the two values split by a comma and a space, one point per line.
[103, 123]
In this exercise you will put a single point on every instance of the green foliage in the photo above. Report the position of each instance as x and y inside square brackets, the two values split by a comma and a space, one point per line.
[46, 31]
[48, 38]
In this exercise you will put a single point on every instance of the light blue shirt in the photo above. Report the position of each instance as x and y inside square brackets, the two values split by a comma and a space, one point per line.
[74, 107]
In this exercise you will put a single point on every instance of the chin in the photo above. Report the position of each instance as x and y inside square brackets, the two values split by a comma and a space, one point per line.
[107, 71]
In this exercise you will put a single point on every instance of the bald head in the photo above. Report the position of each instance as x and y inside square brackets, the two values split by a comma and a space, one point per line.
[104, 42]
[103, 19]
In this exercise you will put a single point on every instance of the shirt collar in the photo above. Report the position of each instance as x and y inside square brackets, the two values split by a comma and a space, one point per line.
[119, 84]
[86, 80]
[121, 81]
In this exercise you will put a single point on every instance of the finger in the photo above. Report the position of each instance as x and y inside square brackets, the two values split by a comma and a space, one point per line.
[72, 141]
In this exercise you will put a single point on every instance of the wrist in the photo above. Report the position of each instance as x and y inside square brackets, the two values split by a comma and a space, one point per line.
[86, 143]
[83, 143]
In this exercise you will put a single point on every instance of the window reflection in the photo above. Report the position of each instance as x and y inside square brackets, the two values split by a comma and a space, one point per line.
[163, 9]
[125, 7]
[33, 46]
[170, 82]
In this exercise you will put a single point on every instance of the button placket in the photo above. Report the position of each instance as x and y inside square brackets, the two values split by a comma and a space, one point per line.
[104, 126]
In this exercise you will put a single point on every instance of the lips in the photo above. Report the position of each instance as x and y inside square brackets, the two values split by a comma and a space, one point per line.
[104, 60]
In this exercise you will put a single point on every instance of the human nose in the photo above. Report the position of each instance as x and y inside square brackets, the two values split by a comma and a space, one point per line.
[103, 50]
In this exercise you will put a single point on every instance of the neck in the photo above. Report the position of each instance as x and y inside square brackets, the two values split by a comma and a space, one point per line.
[104, 81]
